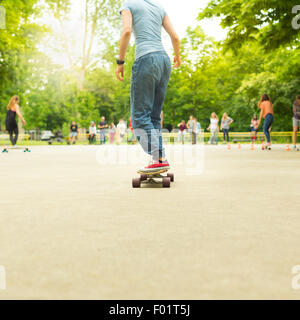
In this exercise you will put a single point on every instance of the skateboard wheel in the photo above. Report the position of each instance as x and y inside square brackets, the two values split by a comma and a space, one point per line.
[136, 182]
[171, 176]
[166, 182]
[144, 177]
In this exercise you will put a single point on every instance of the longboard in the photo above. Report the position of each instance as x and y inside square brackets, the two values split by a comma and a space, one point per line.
[5, 149]
[153, 177]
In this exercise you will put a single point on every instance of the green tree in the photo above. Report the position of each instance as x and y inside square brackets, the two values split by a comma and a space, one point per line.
[268, 21]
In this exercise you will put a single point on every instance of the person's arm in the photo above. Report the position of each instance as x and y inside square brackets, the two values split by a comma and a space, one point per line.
[167, 24]
[18, 112]
[124, 41]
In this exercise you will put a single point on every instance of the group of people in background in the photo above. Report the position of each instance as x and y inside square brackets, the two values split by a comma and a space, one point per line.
[115, 132]
[213, 127]
[193, 127]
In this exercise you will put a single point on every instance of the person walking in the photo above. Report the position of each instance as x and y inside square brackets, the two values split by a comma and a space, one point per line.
[214, 128]
[296, 120]
[102, 126]
[150, 73]
[112, 133]
[225, 125]
[267, 113]
[13, 110]
[192, 127]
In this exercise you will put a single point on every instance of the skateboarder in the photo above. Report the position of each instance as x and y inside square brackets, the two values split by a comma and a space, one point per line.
[267, 113]
[13, 109]
[150, 72]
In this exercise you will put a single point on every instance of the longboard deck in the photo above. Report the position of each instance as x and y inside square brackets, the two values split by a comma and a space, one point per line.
[153, 173]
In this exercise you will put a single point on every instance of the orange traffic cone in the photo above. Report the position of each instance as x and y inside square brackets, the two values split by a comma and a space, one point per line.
[252, 146]
[239, 145]
[287, 148]
[228, 146]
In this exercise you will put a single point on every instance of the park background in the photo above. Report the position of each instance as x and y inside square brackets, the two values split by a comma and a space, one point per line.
[59, 57]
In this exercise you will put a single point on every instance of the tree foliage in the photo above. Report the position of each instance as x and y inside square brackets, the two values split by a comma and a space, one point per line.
[211, 79]
[266, 21]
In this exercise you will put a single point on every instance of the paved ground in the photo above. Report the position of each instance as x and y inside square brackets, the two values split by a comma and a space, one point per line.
[72, 227]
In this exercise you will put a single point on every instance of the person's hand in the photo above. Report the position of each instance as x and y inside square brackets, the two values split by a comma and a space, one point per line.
[24, 123]
[120, 72]
[177, 62]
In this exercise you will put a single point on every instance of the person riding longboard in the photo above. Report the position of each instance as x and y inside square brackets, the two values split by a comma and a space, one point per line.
[13, 110]
[267, 113]
[150, 73]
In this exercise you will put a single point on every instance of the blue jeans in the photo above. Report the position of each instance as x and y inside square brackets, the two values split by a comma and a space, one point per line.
[149, 81]
[268, 122]
[226, 134]
[102, 136]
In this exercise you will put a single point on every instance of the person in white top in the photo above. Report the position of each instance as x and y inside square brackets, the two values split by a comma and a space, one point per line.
[214, 128]
[92, 132]
[121, 127]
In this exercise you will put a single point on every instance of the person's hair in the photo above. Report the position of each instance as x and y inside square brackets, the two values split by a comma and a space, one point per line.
[298, 100]
[255, 116]
[14, 100]
[263, 98]
[214, 115]
[225, 116]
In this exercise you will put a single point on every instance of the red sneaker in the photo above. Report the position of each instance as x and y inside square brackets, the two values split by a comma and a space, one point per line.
[155, 166]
